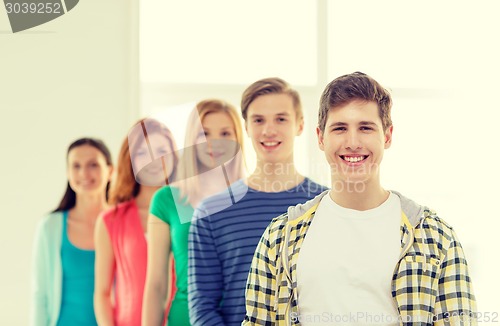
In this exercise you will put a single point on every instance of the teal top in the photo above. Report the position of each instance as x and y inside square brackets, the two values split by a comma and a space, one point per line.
[168, 206]
[77, 283]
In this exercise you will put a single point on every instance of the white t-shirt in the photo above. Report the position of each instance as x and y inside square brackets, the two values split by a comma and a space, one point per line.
[346, 263]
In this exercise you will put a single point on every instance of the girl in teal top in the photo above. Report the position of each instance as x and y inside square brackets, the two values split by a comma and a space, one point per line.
[211, 161]
[77, 282]
[63, 266]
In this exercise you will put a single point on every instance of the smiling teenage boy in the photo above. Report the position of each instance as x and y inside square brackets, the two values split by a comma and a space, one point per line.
[222, 242]
[358, 254]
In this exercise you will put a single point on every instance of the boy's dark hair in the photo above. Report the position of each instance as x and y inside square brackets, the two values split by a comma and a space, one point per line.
[352, 87]
[266, 86]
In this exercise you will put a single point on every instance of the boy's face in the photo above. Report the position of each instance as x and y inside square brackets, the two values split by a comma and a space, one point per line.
[272, 125]
[354, 142]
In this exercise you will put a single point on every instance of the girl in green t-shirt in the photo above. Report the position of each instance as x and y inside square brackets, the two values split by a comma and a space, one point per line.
[212, 159]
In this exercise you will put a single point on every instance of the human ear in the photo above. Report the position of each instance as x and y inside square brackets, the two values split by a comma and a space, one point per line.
[388, 137]
[319, 133]
[301, 126]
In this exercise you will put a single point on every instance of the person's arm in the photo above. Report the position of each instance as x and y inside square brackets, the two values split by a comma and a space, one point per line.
[455, 300]
[104, 274]
[39, 310]
[157, 275]
[261, 284]
[205, 286]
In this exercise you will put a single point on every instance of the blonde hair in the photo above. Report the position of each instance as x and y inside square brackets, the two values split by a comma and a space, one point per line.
[188, 169]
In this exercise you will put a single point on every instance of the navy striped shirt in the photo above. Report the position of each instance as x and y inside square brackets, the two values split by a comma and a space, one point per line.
[222, 243]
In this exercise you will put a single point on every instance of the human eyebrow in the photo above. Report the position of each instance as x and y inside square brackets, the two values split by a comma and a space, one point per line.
[337, 124]
[367, 123]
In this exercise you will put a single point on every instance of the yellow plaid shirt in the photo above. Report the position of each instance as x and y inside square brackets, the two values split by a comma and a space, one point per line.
[430, 283]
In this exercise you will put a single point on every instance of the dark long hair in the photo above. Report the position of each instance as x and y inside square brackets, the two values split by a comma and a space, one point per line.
[69, 199]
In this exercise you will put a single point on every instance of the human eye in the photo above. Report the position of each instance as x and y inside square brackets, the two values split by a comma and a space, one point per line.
[281, 119]
[201, 135]
[258, 120]
[140, 152]
[366, 128]
[339, 129]
[162, 151]
[94, 164]
[226, 134]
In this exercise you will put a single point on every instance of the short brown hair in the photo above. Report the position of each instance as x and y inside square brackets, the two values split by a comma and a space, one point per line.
[266, 86]
[352, 87]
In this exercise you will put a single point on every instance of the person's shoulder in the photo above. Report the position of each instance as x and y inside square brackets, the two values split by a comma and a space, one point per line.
[276, 226]
[314, 185]
[311, 187]
[419, 214]
[433, 228]
[118, 210]
[279, 221]
[50, 223]
[436, 223]
[167, 190]
[437, 231]
[218, 206]
[225, 198]
[50, 219]
[166, 195]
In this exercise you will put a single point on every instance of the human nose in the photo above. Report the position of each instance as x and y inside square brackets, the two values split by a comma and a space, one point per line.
[83, 172]
[213, 142]
[269, 129]
[352, 141]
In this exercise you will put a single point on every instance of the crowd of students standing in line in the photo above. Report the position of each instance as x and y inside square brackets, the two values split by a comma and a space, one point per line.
[115, 251]
[190, 240]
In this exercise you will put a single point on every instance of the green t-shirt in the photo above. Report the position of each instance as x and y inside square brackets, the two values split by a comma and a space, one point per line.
[167, 206]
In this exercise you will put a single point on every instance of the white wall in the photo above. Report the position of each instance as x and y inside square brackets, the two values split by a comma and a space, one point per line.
[72, 77]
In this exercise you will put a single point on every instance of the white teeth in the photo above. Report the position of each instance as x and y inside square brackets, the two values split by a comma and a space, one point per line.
[270, 143]
[353, 159]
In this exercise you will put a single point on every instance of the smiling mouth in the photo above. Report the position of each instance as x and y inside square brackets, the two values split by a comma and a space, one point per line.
[354, 158]
[154, 170]
[270, 144]
[215, 154]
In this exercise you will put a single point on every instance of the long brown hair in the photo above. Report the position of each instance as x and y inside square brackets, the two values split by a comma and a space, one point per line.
[125, 186]
[69, 199]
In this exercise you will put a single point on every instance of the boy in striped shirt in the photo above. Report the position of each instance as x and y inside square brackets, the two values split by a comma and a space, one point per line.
[222, 242]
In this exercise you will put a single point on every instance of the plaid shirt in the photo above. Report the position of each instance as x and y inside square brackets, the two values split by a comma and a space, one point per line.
[430, 283]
